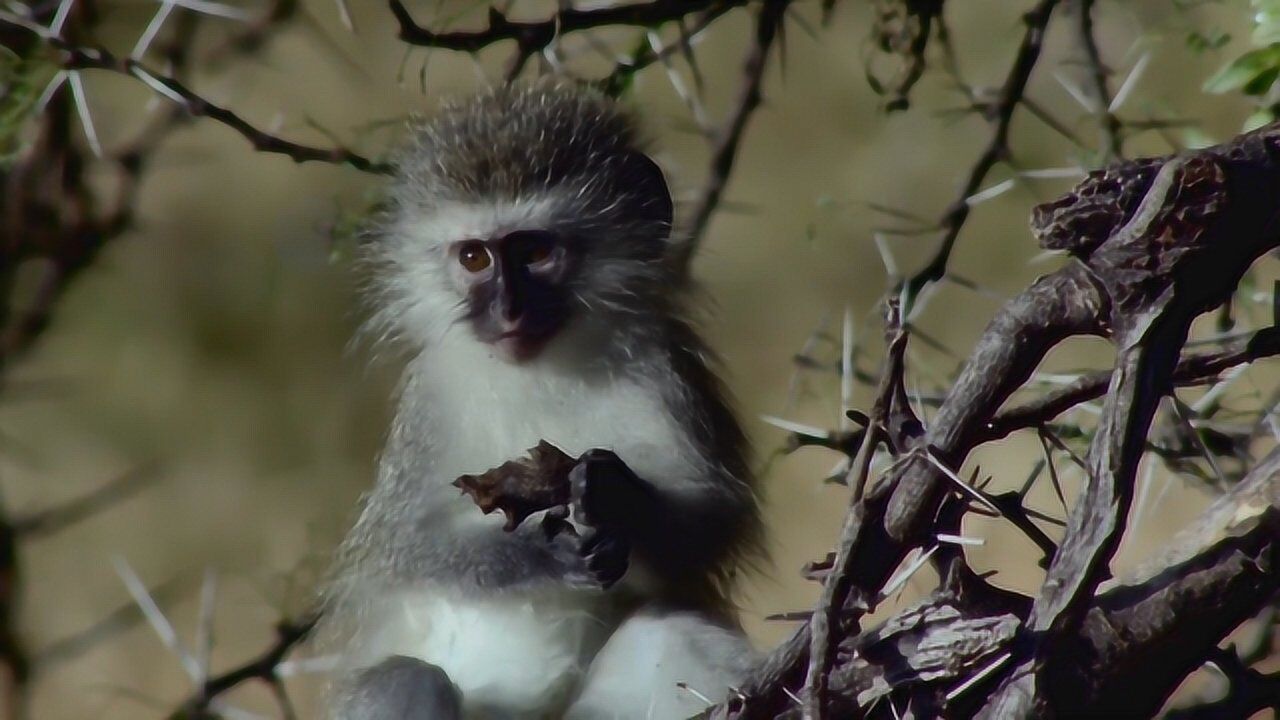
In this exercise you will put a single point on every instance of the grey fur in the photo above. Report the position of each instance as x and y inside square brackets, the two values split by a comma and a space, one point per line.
[537, 139]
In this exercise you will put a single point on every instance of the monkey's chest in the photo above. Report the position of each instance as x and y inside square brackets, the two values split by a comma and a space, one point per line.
[472, 436]
[512, 658]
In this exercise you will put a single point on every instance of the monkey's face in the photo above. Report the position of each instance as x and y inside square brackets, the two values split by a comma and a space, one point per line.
[516, 291]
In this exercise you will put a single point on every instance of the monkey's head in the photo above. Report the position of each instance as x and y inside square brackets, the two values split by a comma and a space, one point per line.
[521, 212]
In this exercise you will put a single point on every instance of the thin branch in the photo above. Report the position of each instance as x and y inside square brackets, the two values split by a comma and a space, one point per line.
[835, 605]
[532, 37]
[1001, 115]
[1098, 72]
[53, 520]
[263, 668]
[727, 140]
[77, 57]
[1191, 370]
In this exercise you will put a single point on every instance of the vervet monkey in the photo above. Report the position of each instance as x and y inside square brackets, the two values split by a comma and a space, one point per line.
[525, 262]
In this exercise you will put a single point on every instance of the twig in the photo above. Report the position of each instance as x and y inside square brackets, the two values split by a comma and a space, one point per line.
[77, 57]
[1191, 370]
[1001, 115]
[836, 603]
[1110, 124]
[263, 668]
[532, 36]
[727, 140]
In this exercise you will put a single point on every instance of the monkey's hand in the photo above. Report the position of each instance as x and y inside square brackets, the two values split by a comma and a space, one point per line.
[593, 558]
[604, 493]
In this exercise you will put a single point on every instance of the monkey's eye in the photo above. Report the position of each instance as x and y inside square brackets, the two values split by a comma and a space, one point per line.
[474, 257]
[539, 253]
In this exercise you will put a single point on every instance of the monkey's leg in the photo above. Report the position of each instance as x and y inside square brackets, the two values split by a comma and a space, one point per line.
[398, 688]
[664, 665]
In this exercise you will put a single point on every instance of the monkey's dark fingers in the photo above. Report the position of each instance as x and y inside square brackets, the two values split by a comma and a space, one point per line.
[603, 490]
[607, 557]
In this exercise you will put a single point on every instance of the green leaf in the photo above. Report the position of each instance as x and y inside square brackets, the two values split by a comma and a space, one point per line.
[1210, 40]
[1258, 118]
[1251, 73]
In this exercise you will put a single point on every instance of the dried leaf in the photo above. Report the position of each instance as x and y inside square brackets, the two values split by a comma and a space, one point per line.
[520, 488]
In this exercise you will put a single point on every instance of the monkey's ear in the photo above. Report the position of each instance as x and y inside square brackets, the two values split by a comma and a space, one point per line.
[643, 179]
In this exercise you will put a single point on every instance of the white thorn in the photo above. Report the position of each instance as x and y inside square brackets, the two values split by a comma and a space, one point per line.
[82, 108]
[60, 17]
[795, 427]
[1054, 378]
[886, 255]
[978, 676]
[1045, 256]
[685, 686]
[214, 9]
[960, 539]
[921, 302]
[842, 467]
[1144, 491]
[959, 481]
[1130, 82]
[901, 578]
[847, 341]
[204, 626]
[1214, 393]
[154, 83]
[54, 83]
[153, 27]
[1053, 173]
[990, 193]
[1076, 93]
[344, 14]
[151, 611]
[677, 83]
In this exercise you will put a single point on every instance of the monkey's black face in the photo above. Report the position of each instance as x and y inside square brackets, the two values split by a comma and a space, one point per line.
[517, 293]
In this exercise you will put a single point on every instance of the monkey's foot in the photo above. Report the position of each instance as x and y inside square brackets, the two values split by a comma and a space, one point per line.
[400, 688]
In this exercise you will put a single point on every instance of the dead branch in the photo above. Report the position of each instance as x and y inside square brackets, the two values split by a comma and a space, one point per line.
[1155, 244]
[533, 36]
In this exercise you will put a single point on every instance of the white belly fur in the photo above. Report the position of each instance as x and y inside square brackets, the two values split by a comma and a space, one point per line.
[511, 657]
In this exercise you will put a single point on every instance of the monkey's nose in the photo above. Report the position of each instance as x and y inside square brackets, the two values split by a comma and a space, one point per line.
[511, 313]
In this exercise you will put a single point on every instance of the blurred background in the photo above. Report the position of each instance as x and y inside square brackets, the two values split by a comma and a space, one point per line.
[211, 346]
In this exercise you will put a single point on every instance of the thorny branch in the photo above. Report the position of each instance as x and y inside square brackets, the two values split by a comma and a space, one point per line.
[1098, 73]
[1155, 243]
[533, 36]
[53, 217]
[728, 138]
[834, 607]
[1191, 370]
[264, 668]
[84, 57]
[1000, 114]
